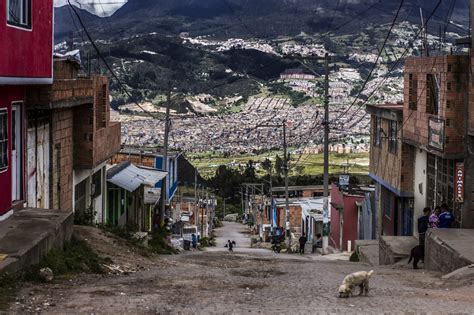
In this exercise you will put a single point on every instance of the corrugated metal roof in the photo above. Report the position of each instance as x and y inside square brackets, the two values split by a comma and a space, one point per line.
[131, 177]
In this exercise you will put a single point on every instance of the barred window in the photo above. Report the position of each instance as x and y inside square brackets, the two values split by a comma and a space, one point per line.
[377, 132]
[392, 137]
[3, 139]
[19, 13]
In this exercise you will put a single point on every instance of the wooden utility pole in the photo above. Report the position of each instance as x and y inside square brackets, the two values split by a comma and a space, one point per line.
[196, 219]
[164, 188]
[287, 200]
[326, 158]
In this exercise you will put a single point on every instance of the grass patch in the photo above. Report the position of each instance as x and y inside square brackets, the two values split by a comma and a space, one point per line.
[77, 257]
[310, 164]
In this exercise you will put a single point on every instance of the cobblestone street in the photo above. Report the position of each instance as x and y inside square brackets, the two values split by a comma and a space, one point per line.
[246, 281]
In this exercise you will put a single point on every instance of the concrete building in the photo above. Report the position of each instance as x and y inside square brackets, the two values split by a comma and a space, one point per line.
[300, 74]
[126, 196]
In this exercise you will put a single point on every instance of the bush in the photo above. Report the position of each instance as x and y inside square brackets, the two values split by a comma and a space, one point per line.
[159, 244]
[76, 257]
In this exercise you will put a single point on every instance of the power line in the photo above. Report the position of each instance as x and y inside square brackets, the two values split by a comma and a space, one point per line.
[376, 60]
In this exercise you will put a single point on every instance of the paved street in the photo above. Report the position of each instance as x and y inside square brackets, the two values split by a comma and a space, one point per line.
[246, 281]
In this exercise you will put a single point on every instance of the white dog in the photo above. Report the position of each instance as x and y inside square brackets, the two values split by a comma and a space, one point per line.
[360, 279]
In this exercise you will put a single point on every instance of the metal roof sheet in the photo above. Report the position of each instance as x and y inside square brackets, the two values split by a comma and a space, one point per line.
[131, 177]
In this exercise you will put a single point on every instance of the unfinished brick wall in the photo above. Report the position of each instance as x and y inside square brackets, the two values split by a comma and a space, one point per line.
[407, 174]
[62, 159]
[452, 72]
[142, 160]
[295, 217]
[96, 138]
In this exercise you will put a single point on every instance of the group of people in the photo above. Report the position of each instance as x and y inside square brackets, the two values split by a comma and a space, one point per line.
[440, 217]
[317, 244]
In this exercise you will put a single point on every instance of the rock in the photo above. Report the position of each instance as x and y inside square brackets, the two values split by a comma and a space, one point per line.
[46, 274]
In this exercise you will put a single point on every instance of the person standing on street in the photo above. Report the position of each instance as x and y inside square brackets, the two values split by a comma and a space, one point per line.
[446, 218]
[302, 241]
[230, 246]
[423, 224]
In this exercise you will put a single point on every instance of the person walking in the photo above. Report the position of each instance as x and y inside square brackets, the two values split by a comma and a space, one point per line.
[446, 218]
[230, 246]
[302, 241]
[194, 240]
[423, 225]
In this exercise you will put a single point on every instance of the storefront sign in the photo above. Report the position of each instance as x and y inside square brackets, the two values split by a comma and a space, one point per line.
[459, 176]
[436, 133]
[344, 180]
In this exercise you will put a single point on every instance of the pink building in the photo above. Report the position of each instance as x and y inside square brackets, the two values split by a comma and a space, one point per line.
[351, 213]
[26, 58]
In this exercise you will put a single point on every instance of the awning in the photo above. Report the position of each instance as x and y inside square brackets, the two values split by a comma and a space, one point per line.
[130, 177]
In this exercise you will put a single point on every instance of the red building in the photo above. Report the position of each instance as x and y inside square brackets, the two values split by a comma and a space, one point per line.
[351, 213]
[26, 55]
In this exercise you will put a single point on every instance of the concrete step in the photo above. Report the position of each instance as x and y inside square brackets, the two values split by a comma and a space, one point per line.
[29, 234]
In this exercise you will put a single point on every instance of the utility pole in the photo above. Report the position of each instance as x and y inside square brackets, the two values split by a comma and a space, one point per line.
[326, 158]
[164, 189]
[287, 200]
[195, 198]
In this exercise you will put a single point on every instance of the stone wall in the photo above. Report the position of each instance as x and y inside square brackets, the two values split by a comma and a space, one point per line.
[439, 256]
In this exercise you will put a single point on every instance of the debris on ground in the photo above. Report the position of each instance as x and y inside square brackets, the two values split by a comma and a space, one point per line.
[46, 274]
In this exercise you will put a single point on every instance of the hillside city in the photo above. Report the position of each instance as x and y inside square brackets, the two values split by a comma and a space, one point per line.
[234, 156]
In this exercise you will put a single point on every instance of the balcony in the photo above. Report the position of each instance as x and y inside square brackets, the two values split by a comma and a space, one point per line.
[61, 94]
[93, 148]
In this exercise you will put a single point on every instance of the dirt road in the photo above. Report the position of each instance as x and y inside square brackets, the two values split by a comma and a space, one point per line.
[246, 281]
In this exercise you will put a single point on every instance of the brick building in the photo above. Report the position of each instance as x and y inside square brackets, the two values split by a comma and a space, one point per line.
[391, 165]
[70, 137]
[152, 157]
[434, 114]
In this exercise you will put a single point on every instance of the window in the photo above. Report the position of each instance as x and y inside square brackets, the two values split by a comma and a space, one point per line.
[432, 94]
[377, 132]
[3, 139]
[19, 13]
[392, 137]
[413, 92]
[96, 189]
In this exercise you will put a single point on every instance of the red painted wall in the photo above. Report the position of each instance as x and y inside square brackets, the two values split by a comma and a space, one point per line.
[351, 218]
[27, 53]
[7, 96]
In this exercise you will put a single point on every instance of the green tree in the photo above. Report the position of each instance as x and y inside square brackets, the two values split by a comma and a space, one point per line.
[267, 165]
[279, 165]
[249, 172]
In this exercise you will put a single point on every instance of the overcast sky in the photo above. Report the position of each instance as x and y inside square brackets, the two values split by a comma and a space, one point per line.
[98, 7]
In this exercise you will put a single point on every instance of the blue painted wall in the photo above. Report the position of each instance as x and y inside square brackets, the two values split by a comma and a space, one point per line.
[172, 178]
